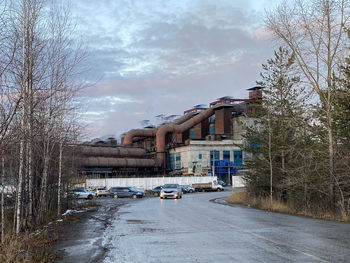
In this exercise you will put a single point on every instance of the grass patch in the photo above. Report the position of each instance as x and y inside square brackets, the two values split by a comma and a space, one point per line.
[27, 248]
[264, 203]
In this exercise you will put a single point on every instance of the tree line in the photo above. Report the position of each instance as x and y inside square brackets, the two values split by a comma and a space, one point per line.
[299, 147]
[39, 65]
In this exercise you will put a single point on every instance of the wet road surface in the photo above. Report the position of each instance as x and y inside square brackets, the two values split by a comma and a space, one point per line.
[194, 229]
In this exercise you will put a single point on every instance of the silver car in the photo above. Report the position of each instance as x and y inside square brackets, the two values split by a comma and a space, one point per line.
[171, 191]
[82, 193]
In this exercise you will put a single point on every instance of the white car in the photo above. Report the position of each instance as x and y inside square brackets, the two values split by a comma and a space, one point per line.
[171, 190]
[82, 193]
[102, 191]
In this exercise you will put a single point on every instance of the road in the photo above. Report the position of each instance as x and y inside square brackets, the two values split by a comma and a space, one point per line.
[195, 229]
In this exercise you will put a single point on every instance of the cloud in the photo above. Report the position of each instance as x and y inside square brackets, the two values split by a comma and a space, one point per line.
[166, 56]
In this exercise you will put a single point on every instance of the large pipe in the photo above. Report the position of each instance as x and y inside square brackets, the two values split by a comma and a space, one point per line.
[111, 151]
[129, 136]
[171, 127]
[117, 162]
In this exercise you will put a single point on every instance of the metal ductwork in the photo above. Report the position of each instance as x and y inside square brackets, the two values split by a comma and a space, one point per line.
[171, 127]
[117, 162]
[130, 135]
[111, 151]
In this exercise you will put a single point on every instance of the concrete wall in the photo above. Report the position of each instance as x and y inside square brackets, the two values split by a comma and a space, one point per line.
[146, 183]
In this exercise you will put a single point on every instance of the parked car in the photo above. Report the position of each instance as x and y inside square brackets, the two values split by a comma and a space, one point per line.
[142, 191]
[117, 192]
[7, 194]
[187, 189]
[102, 191]
[82, 193]
[156, 190]
[171, 190]
[220, 182]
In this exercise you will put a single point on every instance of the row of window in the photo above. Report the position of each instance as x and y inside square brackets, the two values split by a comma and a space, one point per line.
[215, 156]
[174, 160]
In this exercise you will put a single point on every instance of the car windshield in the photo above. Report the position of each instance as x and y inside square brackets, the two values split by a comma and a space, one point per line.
[170, 186]
[133, 189]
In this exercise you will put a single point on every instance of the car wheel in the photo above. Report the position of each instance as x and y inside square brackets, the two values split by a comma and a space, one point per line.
[180, 196]
[134, 196]
[115, 196]
[90, 197]
[161, 197]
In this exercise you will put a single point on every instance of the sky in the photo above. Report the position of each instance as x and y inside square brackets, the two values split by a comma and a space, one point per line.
[153, 57]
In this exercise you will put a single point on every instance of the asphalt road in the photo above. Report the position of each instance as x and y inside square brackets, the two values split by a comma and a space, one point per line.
[195, 229]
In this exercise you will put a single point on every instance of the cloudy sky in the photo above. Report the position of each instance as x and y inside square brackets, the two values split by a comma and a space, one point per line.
[151, 57]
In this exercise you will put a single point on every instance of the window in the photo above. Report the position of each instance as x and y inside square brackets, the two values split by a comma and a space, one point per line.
[192, 134]
[237, 158]
[226, 155]
[171, 160]
[200, 156]
[212, 129]
[178, 161]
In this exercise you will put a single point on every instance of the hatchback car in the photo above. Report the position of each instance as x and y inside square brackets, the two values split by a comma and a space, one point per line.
[117, 192]
[171, 190]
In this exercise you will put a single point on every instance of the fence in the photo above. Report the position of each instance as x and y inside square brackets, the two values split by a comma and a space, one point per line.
[148, 182]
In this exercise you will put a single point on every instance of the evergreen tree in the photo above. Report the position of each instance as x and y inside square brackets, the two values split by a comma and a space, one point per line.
[272, 141]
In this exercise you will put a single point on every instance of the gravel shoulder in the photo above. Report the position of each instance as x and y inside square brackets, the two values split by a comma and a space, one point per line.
[81, 233]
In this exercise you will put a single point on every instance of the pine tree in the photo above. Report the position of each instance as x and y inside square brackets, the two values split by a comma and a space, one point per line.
[272, 141]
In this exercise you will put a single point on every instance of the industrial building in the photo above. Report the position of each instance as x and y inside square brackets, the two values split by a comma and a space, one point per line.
[204, 140]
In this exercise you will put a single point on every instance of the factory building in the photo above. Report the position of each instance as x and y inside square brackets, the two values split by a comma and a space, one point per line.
[204, 140]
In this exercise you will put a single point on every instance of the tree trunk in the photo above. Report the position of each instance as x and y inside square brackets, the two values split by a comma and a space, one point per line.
[2, 198]
[42, 201]
[270, 160]
[23, 117]
[59, 179]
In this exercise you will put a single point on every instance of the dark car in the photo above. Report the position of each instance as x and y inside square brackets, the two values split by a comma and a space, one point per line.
[187, 189]
[220, 182]
[156, 190]
[117, 192]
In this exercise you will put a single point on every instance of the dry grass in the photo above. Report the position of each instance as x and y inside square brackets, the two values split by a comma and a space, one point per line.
[264, 203]
[27, 248]
[88, 204]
